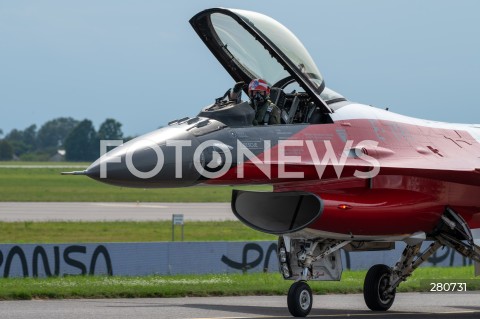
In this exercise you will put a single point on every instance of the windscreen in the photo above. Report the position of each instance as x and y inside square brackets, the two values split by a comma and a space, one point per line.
[287, 43]
[247, 52]
[257, 60]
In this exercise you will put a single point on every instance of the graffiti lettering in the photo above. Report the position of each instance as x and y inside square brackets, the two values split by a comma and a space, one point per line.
[72, 256]
[245, 265]
[254, 254]
[46, 266]
[449, 252]
[73, 262]
[101, 250]
[272, 249]
[8, 262]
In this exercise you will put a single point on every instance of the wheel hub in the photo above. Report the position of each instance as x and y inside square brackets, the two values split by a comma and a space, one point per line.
[305, 300]
[383, 290]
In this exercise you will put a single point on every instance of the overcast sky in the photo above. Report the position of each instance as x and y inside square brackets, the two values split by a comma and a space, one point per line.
[141, 63]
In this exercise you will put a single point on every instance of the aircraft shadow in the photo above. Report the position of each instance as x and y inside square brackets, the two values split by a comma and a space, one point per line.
[271, 312]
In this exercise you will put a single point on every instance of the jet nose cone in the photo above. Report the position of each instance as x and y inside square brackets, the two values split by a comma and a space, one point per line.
[160, 159]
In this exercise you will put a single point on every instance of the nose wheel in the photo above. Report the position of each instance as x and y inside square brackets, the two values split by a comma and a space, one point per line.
[299, 299]
[375, 288]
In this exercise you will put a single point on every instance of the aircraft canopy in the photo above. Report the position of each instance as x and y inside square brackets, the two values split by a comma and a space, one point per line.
[252, 45]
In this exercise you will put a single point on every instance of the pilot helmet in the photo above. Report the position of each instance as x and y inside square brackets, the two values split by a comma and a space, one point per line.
[258, 85]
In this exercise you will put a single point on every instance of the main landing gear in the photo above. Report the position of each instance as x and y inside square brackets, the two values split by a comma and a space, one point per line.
[376, 288]
[380, 283]
[303, 260]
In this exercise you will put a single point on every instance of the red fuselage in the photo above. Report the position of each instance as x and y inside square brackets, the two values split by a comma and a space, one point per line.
[423, 168]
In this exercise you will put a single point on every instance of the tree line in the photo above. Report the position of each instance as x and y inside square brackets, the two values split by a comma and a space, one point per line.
[79, 140]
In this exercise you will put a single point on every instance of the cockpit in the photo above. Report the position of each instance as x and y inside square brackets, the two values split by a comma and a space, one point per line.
[251, 45]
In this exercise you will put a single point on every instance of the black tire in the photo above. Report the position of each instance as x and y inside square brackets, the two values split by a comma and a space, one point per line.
[299, 299]
[375, 286]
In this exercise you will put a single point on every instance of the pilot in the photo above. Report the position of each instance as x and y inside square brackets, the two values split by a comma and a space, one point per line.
[266, 112]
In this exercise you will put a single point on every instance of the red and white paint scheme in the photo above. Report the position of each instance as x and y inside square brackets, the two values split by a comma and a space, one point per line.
[344, 175]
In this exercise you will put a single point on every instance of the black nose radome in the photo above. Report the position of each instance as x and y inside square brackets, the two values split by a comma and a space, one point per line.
[162, 158]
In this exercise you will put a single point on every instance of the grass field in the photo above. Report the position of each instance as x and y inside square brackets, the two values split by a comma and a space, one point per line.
[90, 232]
[205, 285]
[31, 183]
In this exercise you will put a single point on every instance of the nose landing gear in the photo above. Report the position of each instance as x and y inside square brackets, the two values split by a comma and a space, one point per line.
[299, 299]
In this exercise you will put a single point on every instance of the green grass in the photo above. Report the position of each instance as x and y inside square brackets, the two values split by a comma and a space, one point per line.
[47, 185]
[88, 232]
[200, 285]
[28, 163]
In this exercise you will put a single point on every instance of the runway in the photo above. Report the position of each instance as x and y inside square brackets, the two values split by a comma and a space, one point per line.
[40, 211]
[407, 305]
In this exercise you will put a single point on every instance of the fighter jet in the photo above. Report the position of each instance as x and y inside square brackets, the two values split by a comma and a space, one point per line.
[344, 175]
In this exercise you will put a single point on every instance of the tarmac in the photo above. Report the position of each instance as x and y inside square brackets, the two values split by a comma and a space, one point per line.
[53, 211]
[407, 305]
